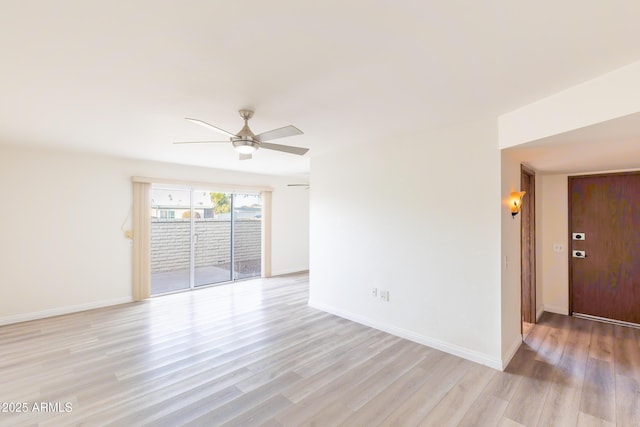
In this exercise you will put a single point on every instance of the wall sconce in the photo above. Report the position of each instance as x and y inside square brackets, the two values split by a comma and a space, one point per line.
[515, 202]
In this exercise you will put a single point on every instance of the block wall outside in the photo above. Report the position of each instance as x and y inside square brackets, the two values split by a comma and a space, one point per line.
[170, 243]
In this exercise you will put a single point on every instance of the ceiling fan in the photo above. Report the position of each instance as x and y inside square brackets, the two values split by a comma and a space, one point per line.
[246, 142]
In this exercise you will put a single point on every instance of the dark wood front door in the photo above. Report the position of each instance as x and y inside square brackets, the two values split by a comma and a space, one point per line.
[606, 283]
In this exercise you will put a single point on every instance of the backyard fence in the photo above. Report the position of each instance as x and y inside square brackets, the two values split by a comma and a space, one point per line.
[170, 243]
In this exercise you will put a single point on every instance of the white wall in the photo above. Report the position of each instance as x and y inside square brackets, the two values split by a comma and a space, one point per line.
[63, 248]
[510, 261]
[539, 247]
[419, 217]
[290, 227]
[553, 267]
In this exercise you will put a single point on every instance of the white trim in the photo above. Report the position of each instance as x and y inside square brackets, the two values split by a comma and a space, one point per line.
[197, 184]
[465, 353]
[556, 309]
[18, 318]
[290, 271]
[506, 358]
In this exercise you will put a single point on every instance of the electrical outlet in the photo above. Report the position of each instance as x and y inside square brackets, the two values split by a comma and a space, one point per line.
[558, 247]
[374, 292]
[384, 295]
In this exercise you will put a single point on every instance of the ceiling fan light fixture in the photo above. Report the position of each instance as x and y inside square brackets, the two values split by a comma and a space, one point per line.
[245, 146]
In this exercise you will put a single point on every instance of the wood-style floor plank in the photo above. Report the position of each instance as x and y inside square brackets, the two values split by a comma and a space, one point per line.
[598, 391]
[602, 341]
[487, 409]
[442, 375]
[627, 356]
[627, 401]
[456, 403]
[315, 405]
[254, 353]
[562, 404]
[525, 407]
[586, 420]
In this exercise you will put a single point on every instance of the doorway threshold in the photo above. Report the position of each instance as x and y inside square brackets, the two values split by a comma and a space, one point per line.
[605, 320]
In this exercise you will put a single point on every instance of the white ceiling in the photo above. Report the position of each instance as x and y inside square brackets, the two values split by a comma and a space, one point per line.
[119, 77]
[609, 146]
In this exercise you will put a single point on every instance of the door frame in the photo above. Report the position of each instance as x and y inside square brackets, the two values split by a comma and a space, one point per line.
[570, 240]
[265, 232]
[528, 245]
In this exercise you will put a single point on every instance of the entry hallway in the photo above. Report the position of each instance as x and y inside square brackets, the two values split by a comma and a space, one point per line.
[254, 353]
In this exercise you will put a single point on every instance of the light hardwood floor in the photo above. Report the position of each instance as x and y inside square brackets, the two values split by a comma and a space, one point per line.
[254, 353]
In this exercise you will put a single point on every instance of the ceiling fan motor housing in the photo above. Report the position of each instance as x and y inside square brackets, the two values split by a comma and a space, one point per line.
[245, 141]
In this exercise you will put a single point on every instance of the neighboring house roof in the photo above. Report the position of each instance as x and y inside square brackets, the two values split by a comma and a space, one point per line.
[179, 199]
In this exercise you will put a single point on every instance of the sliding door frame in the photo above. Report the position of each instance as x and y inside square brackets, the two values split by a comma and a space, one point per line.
[142, 256]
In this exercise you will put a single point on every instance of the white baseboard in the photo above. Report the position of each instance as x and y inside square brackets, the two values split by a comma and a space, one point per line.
[539, 313]
[556, 309]
[506, 358]
[25, 317]
[456, 350]
[289, 271]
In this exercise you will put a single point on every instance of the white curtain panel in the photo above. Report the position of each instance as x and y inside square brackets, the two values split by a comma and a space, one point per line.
[141, 225]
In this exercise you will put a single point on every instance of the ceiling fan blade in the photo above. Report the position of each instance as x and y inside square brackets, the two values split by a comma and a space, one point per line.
[201, 142]
[210, 126]
[244, 156]
[284, 148]
[279, 133]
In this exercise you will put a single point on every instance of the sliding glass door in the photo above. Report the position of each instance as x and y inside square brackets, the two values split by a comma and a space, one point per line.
[202, 237]
[170, 240]
[212, 240]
